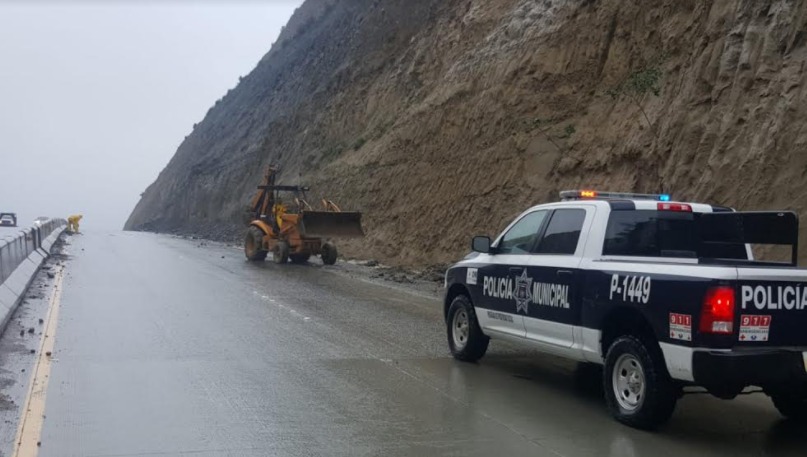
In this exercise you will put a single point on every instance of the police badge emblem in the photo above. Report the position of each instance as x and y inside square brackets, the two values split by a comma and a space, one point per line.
[523, 292]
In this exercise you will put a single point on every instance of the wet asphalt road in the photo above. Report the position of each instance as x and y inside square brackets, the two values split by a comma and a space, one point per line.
[164, 347]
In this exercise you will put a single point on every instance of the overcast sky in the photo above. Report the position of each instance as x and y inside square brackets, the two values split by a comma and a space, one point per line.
[96, 96]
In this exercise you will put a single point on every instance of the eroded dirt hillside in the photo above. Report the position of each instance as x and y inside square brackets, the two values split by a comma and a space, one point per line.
[440, 119]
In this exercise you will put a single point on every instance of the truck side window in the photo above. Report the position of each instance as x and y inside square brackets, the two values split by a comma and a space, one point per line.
[634, 233]
[563, 232]
[521, 236]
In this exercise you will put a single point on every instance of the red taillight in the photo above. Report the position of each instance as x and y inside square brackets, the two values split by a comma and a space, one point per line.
[674, 207]
[717, 315]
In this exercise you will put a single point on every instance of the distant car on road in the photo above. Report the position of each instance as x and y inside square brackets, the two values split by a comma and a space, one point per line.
[8, 219]
[40, 220]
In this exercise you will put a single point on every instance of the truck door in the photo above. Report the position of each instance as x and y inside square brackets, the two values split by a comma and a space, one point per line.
[499, 298]
[555, 278]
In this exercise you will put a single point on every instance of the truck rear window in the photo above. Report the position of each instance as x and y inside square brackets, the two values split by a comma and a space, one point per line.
[649, 233]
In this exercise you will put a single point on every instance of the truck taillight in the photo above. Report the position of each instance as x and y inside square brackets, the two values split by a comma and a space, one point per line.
[717, 314]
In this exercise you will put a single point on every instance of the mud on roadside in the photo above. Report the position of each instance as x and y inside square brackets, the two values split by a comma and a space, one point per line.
[19, 343]
[425, 281]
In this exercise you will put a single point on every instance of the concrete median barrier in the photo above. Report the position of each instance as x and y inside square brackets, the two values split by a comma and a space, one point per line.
[21, 255]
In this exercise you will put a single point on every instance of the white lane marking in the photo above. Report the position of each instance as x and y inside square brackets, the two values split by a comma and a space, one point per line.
[29, 431]
[288, 309]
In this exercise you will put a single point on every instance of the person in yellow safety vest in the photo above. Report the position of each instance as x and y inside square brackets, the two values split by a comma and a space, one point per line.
[72, 222]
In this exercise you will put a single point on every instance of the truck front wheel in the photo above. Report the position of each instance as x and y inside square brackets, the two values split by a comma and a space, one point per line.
[465, 339]
[638, 390]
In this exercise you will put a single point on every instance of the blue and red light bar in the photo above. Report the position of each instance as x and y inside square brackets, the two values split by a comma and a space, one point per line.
[597, 195]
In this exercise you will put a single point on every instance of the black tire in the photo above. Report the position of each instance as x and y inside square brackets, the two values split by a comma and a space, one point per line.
[791, 403]
[641, 367]
[280, 254]
[465, 339]
[328, 253]
[253, 241]
[299, 258]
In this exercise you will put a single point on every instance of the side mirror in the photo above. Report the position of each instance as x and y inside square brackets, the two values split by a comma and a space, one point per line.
[481, 244]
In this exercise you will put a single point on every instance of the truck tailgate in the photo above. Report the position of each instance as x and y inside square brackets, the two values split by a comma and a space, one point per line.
[771, 307]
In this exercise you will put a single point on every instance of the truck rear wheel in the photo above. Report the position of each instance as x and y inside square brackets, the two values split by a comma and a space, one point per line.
[791, 403]
[328, 253]
[638, 390]
[465, 339]
[280, 254]
[253, 245]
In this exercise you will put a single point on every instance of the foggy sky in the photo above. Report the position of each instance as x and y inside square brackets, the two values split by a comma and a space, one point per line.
[96, 96]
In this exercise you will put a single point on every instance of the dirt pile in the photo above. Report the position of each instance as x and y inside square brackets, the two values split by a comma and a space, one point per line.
[443, 119]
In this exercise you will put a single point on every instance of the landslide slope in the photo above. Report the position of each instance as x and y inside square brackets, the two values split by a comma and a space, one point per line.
[440, 119]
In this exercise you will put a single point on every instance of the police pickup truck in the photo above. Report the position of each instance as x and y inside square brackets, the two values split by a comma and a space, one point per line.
[664, 294]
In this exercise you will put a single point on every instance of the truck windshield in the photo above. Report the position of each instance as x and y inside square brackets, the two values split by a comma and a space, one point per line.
[649, 233]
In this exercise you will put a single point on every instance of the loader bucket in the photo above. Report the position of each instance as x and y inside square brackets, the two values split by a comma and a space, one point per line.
[326, 224]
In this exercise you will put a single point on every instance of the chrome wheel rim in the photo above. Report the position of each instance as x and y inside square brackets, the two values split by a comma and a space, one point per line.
[629, 382]
[460, 329]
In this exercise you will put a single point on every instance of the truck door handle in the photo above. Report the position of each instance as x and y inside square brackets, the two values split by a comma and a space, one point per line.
[564, 272]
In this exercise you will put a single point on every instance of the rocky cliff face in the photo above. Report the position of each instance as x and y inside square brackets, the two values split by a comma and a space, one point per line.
[440, 119]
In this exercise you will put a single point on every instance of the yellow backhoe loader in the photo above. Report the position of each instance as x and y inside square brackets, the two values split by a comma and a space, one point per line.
[293, 230]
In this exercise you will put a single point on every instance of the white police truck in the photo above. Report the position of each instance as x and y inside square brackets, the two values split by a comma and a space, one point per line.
[666, 295]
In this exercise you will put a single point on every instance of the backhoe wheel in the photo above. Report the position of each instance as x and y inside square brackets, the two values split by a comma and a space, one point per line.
[465, 339]
[253, 242]
[638, 390]
[299, 258]
[280, 253]
[328, 254]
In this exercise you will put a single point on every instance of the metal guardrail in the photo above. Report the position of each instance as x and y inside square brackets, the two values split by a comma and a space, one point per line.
[14, 249]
